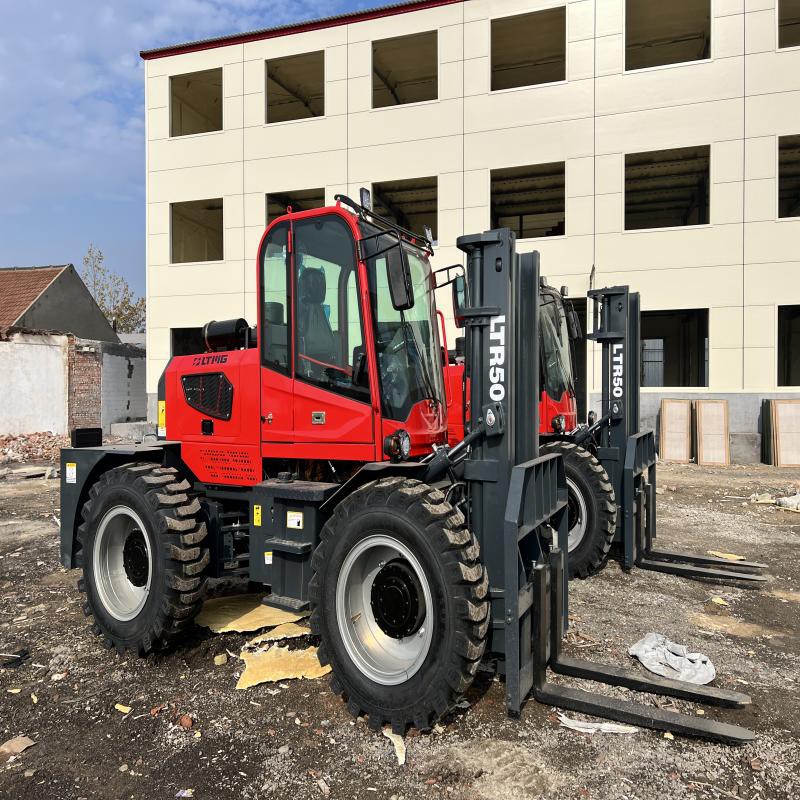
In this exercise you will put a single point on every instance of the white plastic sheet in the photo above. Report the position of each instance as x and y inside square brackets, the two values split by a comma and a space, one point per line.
[663, 657]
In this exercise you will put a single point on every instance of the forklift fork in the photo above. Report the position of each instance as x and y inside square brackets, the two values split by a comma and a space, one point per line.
[536, 619]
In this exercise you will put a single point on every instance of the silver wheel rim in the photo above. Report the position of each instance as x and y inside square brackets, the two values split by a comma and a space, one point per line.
[578, 529]
[120, 560]
[382, 658]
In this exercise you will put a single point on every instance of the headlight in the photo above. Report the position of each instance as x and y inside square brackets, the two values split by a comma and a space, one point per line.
[559, 425]
[591, 418]
[397, 445]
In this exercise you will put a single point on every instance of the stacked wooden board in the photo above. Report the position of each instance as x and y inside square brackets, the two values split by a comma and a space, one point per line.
[696, 431]
[780, 432]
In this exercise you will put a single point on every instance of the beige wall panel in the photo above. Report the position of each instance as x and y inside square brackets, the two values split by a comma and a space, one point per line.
[158, 251]
[579, 216]
[610, 55]
[767, 242]
[232, 112]
[157, 218]
[759, 5]
[681, 126]
[725, 326]
[534, 144]
[405, 160]
[306, 42]
[476, 187]
[659, 88]
[726, 203]
[760, 326]
[562, 255]
[580, 177]
[685, 247]
[234, 245]
[761, 280]
[610, 173]
[195, 183]
[580, 20]
[759, 31]
[183, 280]
[403, 24]
[727, 36]
[477, 39]
[196, 150]
[449, 225]
[193, 62]
[335, 98]
[726, 161]
[477, 219]
[233, 216]
[254, 76]
[580, 60]
[477, 77]
[296, 137]
[724, 7]
[193, 310]
[761, 368]
[359, 94]
[255, 209]
[359, 64]
[336, 63]
[295, 172]
[608, 213]
[773, 114]
[252, 239]
[158, 124]
[233, 79]
[724, 369]
[408, 123]
[529, 106]
[773, 71]
[254, 109]
[609, 17]
[761, 200]
[578, 285]
[489, 9]
[760, 158]
[157, 91]
[451, 191]
[451, 79]
[451, 43]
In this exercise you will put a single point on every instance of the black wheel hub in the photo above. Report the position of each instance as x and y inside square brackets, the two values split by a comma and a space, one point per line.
[573, 510]
[396, 600]
[134, 558]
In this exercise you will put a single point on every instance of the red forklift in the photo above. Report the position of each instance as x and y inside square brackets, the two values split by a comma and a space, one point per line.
[310, 456]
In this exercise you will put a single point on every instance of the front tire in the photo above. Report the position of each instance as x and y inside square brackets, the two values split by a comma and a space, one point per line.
[142, 556]
[592, 509]
[399, 600]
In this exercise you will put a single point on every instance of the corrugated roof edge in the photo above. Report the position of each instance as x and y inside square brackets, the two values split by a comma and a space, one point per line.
[297, 27]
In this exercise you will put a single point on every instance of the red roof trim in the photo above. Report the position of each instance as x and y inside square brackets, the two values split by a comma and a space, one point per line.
[300, 27]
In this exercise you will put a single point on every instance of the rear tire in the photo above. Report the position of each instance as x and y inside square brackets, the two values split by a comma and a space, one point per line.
[142, 557]
[592, 509]
[399, 600]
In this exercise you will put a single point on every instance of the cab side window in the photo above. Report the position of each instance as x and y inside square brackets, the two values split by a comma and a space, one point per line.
[328, 327]
[276, 300]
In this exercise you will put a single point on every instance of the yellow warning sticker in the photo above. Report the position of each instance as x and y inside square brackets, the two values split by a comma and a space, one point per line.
[268, 557]
[294, 519]
[162, 418]
[257, 516]
[72, 472]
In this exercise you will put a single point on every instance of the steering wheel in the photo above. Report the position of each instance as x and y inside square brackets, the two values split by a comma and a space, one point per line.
[394, 379]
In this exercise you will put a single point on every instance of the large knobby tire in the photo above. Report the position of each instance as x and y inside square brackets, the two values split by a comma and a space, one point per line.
[592, 509]
[142, 557]
[399, 601]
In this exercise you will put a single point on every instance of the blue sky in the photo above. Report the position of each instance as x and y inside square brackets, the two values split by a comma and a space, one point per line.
[72, 118]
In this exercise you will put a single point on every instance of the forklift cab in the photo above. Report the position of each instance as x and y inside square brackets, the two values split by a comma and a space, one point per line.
[348, 337]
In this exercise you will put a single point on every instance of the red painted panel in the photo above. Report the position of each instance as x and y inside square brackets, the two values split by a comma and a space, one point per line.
[426, 425]
[346, 420]
[276, 407]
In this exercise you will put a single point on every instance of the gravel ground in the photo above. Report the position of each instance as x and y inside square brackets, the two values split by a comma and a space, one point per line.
[300, 742]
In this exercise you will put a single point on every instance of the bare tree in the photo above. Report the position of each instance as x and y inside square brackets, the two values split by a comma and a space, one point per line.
[111, 292]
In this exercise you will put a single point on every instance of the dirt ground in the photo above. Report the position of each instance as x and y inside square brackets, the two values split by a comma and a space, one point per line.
[299, 741]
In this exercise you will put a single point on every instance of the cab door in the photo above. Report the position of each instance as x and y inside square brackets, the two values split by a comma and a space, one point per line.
[332, 401]
[277, 415]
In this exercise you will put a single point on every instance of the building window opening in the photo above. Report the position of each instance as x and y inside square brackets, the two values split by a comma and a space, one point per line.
[405, 69]
[195, 102]
[789, 346]
[186, 341]
[196, 231]
[413, 204]
[789, 176]
[296, 87]
[675, 348]
[299, 200]
[667, 188]
[529, 49]
[529, 200]
[658, 33]
[788, 23]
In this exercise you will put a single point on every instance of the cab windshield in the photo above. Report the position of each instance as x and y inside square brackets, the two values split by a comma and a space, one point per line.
[407, 342]
[555, 356]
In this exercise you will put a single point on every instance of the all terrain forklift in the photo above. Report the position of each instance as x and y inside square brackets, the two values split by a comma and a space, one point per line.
[311, 457]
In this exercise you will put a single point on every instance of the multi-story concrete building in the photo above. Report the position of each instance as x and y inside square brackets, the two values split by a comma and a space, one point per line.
[629, 141]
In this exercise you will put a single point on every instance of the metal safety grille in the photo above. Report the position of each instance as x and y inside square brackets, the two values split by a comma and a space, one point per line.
[209, 393]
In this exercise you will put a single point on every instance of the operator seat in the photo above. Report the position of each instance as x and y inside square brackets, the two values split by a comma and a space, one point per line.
[317, 340]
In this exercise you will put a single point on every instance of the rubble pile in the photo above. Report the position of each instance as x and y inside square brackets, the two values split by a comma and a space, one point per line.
[32, 447]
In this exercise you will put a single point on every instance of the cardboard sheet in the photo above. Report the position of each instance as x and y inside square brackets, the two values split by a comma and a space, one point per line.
[243, 613]
[280, 664]
[287, 631]
[713, 444]
[675, 438]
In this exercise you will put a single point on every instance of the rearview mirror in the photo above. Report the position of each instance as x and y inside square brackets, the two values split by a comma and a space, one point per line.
[399, 273]
[459, 300]
[574, 324]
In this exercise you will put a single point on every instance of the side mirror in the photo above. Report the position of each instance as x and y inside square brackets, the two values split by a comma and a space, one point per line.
[574, 324]
[399, 273]
[459, 300]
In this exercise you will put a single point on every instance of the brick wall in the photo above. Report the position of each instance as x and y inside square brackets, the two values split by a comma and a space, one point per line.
[85, 370]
